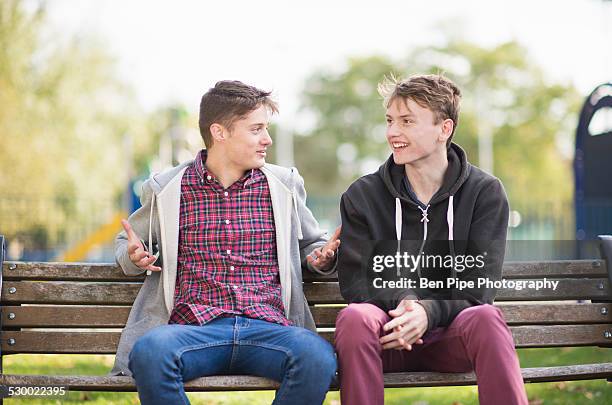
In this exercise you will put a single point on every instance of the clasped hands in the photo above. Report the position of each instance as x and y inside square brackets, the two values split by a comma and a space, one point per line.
[407, 327]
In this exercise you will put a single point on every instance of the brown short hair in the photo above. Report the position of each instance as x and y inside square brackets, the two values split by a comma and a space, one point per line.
[229, 101]
[435, 92]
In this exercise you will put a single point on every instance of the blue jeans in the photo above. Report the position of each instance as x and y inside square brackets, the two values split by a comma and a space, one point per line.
[165, 357]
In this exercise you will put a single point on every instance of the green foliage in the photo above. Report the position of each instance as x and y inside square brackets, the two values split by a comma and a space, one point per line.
[531, 119]
[64, 119]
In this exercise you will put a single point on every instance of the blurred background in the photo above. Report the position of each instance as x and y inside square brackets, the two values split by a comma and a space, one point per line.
[96, 95]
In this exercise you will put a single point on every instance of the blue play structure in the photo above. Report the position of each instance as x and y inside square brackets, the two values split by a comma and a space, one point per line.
[593, 166]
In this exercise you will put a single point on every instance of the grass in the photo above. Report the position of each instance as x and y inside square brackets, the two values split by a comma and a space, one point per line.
[577, 392]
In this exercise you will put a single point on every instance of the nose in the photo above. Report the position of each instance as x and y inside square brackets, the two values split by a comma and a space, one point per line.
[267, 139]
[392, 131]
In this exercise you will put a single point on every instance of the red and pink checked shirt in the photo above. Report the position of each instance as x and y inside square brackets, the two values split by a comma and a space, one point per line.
[227, 260]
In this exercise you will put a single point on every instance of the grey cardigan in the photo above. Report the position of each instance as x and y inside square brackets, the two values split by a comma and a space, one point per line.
[157, 222]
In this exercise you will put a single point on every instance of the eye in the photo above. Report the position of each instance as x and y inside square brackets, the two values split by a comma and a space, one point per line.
[389, 121]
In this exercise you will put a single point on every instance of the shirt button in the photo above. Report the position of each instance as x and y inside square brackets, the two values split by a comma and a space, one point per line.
[227, 222]
[234, 288]
[228, 251]
[232, 268]
[209, 177]
[226, 193]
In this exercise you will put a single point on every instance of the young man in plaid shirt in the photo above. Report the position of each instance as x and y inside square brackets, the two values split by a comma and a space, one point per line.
[228, 236]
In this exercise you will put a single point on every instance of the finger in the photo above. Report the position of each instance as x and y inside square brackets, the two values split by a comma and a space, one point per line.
[132, 248]
[402, 307]
[391, 345]
[400, 310]
[400, 320]
[138, 255]
[391, 336]
[147, 261]
[329, 253]
[411, 336]
[402, 345]
[331, 242]
[153, 268]
[396, 312]
[128, 229]
[336, 234]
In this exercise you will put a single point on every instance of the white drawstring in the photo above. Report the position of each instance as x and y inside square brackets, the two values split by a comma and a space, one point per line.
[450, 217]
[398, 218]
[151, 229]
[424, 220]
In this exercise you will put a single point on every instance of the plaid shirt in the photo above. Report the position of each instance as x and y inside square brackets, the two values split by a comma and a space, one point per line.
[227, 261]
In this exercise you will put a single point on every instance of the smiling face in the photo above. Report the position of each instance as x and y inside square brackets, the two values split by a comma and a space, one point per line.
[412, 131]
[247, 140]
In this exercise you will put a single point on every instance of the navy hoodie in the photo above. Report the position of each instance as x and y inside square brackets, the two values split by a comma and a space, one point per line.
[379, 207]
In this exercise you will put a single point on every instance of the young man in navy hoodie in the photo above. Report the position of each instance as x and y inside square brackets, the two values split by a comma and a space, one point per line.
[425, 192]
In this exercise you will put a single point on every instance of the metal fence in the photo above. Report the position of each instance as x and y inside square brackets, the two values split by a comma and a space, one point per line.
[38, 229]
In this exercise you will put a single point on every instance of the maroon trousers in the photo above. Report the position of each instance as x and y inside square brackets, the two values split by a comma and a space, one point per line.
[477, 340]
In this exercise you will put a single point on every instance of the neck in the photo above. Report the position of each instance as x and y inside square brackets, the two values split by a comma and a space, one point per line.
[223, 169]
[427, 175]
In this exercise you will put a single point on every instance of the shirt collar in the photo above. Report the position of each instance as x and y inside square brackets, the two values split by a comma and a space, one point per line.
[250, 177]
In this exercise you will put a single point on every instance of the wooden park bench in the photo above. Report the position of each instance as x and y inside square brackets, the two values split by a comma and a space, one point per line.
[52, 307]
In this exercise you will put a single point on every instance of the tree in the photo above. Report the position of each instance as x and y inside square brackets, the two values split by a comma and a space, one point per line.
[531, 119]
[64, 116]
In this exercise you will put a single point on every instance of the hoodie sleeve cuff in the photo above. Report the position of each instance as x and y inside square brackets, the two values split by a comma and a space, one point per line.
[325, 272]
[431, 309]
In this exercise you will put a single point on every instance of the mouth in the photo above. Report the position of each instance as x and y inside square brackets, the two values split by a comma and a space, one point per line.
[399, 145]
[261, 153]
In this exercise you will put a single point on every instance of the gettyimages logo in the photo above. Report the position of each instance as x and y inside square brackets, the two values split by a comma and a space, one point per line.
[427, 261]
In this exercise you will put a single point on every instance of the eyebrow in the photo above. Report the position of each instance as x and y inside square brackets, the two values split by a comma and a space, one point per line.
[402, 116]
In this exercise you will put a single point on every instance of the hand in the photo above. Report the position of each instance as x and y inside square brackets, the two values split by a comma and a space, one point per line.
[408, 326]
[137, 253]
[322, 258]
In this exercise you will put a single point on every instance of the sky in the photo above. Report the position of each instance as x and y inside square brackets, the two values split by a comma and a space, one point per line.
[173, 51]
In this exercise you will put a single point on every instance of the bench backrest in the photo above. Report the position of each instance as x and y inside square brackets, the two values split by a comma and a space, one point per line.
[53, 307]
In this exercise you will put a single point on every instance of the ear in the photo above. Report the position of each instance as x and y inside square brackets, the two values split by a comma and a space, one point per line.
[447, 129]
[218, 132]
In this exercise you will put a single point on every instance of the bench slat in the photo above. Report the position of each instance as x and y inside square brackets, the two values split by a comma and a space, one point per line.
[515, 314]
[112, 272]
[568, 289]
[595, 268]
[69, 292]
[115, 317]
[245, 383]
[106, 342]
[49, 316]
[65, 271]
